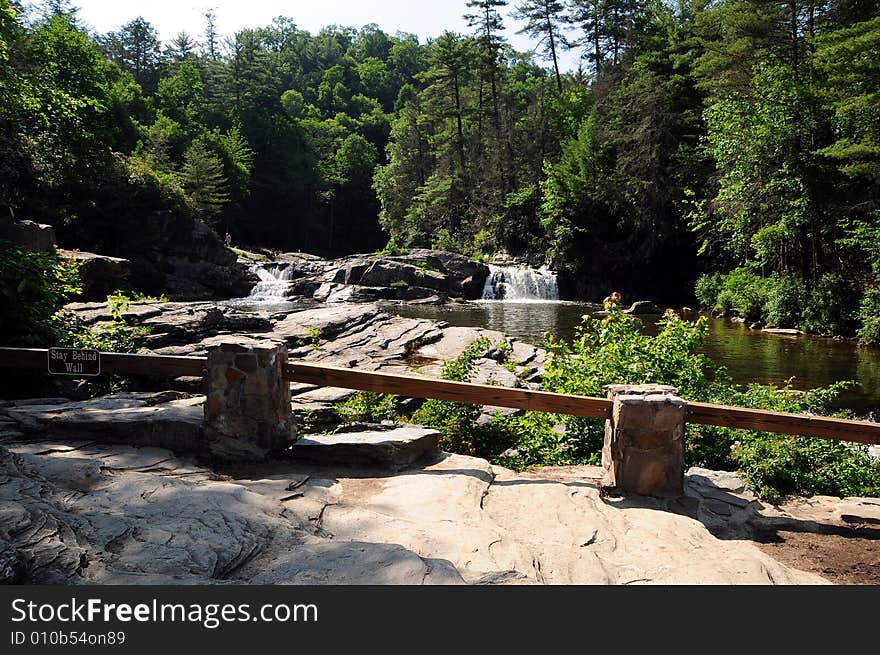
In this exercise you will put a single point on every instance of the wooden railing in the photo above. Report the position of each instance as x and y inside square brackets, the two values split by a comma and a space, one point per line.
[476, 394]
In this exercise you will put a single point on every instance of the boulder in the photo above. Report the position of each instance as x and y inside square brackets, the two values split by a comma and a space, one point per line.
[27, 234]
[184, 259]
[394, 450]
[101, 275]
[468, 276]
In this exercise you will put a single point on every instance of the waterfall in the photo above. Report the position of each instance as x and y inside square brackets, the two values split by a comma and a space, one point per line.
[520, 284]
[275, 281]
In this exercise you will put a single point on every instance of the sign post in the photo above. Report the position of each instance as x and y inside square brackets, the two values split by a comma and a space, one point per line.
[74, 361]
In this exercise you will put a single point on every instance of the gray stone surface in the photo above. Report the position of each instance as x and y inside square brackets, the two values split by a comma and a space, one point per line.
[85, 512]
[393, 449]
[27, 234]
[133, 418]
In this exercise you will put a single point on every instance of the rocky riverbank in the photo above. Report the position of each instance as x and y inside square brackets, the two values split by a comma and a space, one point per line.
[427, 276]
[340, 334]
[102, 491]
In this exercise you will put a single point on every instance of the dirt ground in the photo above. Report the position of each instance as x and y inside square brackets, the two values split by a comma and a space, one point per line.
[841, 552]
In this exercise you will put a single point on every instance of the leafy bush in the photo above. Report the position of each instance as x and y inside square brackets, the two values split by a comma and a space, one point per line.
[392, 248]
[743, 293]
[707, 289]
[457, 422]
[832, 306]
[776, 465]
[869, 317]
[33, 287]
[615, 351]
[367, 406]
[785, 301]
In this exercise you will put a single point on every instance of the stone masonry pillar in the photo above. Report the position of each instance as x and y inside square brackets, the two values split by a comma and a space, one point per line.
[247, 412]
[644, 440]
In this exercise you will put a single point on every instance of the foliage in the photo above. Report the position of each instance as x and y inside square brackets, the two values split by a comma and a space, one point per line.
[744, 293]
[735, 131]
[119, 303]
[204, 181]
[367, 406]
[616, 351]
[457, 422]
[832, 306]
[778, 465]
[33, 287]
[869, 316]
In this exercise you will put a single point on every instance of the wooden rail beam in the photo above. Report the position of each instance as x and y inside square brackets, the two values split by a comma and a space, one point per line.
[127, 363]
[475, 394]
[823, 427]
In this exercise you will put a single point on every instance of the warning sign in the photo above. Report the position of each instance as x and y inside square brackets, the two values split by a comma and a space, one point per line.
[74, 361]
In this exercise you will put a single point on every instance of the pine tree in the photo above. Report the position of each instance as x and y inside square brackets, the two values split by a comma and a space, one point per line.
[204, 181]
[544, 22]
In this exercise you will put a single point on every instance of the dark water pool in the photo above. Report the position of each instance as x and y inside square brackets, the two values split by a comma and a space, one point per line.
[749, 355]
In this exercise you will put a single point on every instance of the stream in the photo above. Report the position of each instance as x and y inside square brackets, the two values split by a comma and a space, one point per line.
[524, 303]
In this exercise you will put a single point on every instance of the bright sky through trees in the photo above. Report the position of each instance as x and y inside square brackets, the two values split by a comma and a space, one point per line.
[424, 19]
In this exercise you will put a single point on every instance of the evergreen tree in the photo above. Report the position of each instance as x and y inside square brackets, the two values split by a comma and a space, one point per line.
[204, 182]
[544, 19]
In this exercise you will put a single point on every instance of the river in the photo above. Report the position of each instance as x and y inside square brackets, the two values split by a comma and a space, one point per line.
[749, 355]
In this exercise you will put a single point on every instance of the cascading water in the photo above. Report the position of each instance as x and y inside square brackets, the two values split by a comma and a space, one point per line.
[274, 284]
[520, 284]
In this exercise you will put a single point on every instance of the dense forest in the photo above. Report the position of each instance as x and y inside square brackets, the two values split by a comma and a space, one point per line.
[733, 143]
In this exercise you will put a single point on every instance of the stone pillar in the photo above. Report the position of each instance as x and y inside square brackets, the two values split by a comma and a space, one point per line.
[644, 440]
[247, 412]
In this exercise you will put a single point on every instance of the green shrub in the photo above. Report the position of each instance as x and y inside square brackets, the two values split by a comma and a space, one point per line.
[457, 422]
[392, 248]
[869, 317]
[707, 289]
[615, 351]
[399, 284]
[33, 287]
[832, 306]
[785, 301]
[777, 465]
[367, 406]
[744, 293]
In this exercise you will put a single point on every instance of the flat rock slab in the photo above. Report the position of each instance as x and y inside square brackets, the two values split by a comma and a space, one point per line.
[393, 450]
[144, 419]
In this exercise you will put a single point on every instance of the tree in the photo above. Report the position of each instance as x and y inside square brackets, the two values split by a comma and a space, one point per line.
[135, 48]
[181, 48]
[212, 41]
[543, 22]
[204, 182]
[590, 16]
[181, 97]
